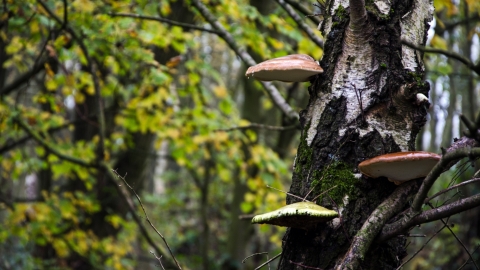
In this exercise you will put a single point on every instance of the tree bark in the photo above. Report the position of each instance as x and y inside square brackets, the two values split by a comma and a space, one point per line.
[362, 106]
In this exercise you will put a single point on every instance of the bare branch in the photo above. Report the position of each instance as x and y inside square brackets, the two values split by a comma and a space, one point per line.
[300, 23]
[254, 254]
[464, 183]
[420, 249]
[458, 240]
[272, 91]
[465, 263]
[145, 212]
[374, 224]
[444, 164]
[185, 26]
[453, 55]
[450, 25]
[159, 259]
[269, 261]
[391, 230]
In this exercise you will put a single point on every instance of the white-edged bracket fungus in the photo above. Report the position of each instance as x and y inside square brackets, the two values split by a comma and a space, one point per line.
[303, 215]
[290, 68]
[401, 166]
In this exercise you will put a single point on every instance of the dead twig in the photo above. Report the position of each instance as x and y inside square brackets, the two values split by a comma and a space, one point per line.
[421, 248]
[147, 218]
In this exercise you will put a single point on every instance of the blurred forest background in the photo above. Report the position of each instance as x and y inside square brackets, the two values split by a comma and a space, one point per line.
[150, 89]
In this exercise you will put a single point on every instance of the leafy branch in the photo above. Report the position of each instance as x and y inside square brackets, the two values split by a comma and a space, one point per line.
[92, 69]
[23, 78]
[272, 91]
[185, 26]
[50, 147]
[122, 192]
[304, 11]
[307, 29]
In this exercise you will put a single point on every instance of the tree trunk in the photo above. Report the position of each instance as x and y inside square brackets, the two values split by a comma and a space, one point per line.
[363, 105]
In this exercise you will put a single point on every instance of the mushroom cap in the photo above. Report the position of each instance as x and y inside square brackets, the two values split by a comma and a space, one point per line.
[302, 215]
[401, 166]
[290, 68]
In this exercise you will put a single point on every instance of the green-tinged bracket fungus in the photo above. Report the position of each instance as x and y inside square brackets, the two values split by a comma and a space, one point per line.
[401, 166]
[303, 215]
[290, 68]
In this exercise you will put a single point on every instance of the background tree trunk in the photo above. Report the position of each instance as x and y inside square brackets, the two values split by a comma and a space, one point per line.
[362, 106]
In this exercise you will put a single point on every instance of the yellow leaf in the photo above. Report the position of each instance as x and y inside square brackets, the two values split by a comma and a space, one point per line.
[220, 91]
[438, 42]
[173, 133]
[61, 248]
[84, 5]
[90, 90]
[34, 28]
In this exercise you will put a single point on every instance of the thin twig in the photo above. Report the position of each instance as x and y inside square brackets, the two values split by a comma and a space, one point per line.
[305, 266]
[254, 254]
[416, 218]
[414, 235]
[146, 216]
[465, 263]
[347, 236]
[304, 11]
[290, 194]
[185, 26]
[258, 126]
[269, 261]
[314, 199]
[450, 54]
[424, 245]
[272, 91]
[450, 25]
[246, 216]
[159, 259]
[458, 240]
[307, 29]
[125, 196]
[441, 166]
[452, 187]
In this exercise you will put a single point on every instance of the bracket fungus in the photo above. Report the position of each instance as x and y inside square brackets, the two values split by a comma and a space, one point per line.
[303, 215]
[401, 166]
[290, 68]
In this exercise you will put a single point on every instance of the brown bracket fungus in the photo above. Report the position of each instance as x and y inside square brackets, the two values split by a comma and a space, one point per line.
[401, 166]
[290, 68]
[303, 215]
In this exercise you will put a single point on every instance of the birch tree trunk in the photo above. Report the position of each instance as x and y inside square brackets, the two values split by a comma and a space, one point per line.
[365, 104]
